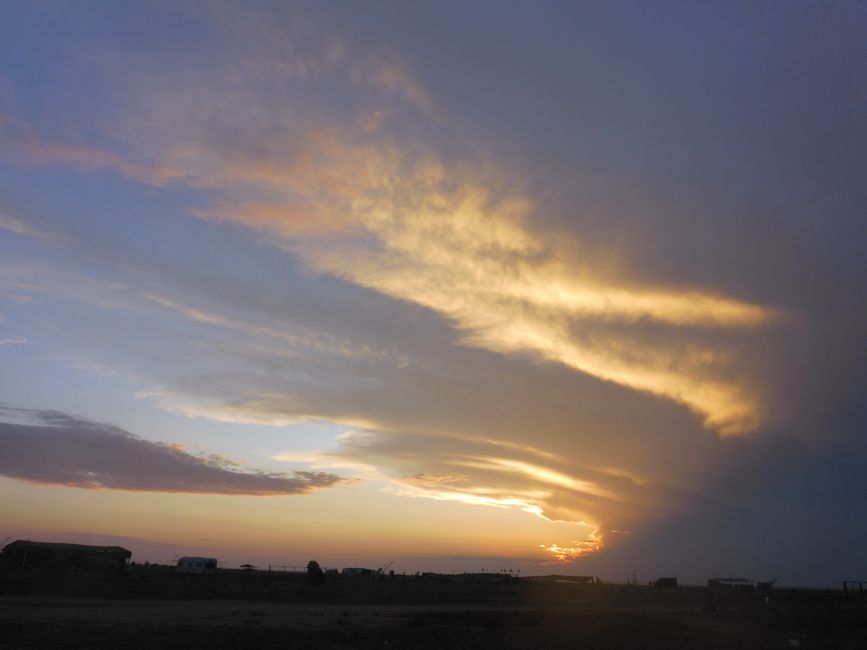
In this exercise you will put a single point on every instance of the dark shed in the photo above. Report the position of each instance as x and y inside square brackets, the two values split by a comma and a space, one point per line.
[25, 553]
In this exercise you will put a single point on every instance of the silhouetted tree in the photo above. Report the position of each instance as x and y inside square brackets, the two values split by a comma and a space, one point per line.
[315, 574]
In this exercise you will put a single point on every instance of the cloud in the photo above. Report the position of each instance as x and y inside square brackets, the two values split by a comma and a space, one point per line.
[467, 254]
[457, 466]
[388, 73]
[451, 235]
[66, 450]
[14, 340]
[455, 237]
[492, 474]
[567, 333]
[21, 227]
[24, 143]
[458, 234]
[451, 240]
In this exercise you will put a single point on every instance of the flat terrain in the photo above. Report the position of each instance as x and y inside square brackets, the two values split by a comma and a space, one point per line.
[279, 611]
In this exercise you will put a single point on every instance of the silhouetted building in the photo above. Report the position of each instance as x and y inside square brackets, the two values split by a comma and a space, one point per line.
[665, 582]
[196, 564]
[358, 572]
[24, 553]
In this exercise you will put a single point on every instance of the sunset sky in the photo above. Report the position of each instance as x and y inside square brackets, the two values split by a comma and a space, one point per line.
[572, 287]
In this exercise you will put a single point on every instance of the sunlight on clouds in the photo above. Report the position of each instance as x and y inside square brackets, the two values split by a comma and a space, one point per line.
[446, 242]
[478, 496]
[488, 498]
[501, 483]
[542, 474]
[669, 372]
[454, 239]
[391, 215]
[241, 412]
[498, 482]
[344, 164]
[269, 409]
[575, 549]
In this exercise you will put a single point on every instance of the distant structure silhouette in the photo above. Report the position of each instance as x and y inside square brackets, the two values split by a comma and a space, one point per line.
[315, 575]
[852, 587]
[664, 583]
[196, 564]
[358, 572]
[732, 584]
[28, 554]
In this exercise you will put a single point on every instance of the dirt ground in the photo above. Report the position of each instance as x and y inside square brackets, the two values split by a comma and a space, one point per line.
[59, 622]
[156, 608]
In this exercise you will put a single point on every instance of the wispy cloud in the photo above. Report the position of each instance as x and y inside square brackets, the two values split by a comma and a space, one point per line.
[388, 73]
[22, 142]
[455, 238]
[451, 240]
[21, 227]
[595, 501]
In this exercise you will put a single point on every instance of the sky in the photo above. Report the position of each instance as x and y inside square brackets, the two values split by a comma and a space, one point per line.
[555, 287]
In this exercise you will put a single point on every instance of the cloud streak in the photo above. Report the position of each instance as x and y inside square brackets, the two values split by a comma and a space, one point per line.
[393, 216]
[66, 450]
[451, 240]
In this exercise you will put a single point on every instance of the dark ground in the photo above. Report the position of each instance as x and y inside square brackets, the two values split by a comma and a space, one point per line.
[151, 607]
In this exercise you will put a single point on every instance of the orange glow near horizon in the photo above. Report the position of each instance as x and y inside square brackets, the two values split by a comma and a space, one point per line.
[325, 525]
[575, 549]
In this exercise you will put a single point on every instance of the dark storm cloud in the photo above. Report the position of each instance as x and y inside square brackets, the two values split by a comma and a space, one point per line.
[65, 450]
[779, 508]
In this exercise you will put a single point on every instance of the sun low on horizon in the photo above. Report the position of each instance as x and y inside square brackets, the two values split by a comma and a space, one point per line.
[572, 289]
